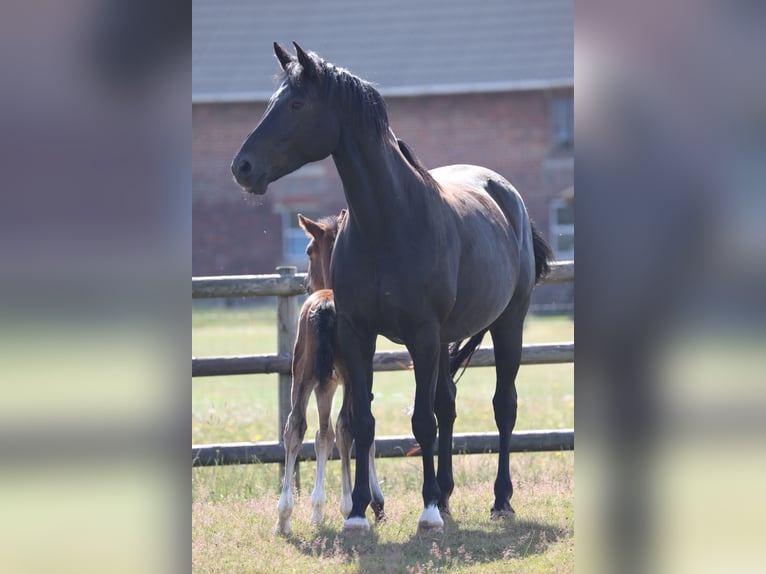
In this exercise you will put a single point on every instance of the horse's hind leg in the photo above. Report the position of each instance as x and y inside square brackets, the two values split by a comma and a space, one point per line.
[295, 429]
[506, 338]
[325, 438]
[344, 438]
[444, 408]
[377, 494]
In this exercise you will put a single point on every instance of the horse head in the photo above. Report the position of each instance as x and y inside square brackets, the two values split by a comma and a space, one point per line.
[298, 126]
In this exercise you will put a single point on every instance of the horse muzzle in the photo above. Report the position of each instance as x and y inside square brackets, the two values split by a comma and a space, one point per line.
[252, 180]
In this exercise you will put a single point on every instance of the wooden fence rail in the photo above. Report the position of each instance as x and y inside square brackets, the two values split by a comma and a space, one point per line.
[287, 285]
[549, 353]
[385, 447]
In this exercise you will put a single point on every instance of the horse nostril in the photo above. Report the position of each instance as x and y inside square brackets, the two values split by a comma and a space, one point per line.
[244, 167]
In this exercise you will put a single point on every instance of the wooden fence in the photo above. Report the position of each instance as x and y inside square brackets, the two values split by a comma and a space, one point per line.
[287, 285]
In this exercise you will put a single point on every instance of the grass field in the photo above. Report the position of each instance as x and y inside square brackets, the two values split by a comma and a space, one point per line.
[234, 508]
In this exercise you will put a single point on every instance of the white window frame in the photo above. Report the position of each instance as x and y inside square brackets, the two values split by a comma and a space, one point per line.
[562, 119]
[558, 229]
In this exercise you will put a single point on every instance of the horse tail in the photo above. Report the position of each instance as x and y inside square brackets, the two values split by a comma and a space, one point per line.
[322, 319]
[543, 254]
[459, 355]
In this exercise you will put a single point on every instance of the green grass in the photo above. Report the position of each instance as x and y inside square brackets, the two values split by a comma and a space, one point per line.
[234, 508]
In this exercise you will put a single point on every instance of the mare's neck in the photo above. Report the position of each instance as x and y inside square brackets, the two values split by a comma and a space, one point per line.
[377, 181]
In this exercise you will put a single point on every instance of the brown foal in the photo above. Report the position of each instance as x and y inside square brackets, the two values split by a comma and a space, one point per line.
[318, 366]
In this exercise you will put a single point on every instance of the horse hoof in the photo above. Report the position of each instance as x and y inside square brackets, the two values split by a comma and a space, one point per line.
[425, 529]
[355, 526]
[317, 517]
[430, 521]
[504, 514]
[282, 528]
[380, 514]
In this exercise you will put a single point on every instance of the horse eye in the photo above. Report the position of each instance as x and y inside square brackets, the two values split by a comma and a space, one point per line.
[296, 104]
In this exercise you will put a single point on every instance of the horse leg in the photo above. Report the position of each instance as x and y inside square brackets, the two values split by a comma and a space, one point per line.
[325, 437]
[343, 439]
[506, 338]
[377, 493]
[444, 407]
[295, 429]
[358, 346]
[425, 350]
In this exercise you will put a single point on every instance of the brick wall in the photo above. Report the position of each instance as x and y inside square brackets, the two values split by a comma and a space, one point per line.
[235, 233]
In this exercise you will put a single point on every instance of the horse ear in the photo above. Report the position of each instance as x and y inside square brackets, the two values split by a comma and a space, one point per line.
[308, 65]
[312, 228]
[282, 55]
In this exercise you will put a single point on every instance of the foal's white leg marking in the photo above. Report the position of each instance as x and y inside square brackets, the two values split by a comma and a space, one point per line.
[377, 494]
[431, 519]
[318, 497]
[286, 503]
[346, 503]
[343, 440]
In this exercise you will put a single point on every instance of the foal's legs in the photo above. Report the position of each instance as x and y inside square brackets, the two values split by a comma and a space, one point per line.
[377, 494]
[444, 407]
[425, 349]
[344, 438]
[295, 429]
[506, 338]
[325, 437]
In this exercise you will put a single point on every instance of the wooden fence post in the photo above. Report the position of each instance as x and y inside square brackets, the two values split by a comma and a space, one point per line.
[287, 330]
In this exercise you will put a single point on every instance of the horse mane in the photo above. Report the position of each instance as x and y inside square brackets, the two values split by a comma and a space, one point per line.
[415, 162]
[355, 96]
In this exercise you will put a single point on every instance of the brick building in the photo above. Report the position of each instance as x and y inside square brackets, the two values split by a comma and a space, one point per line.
[489, 83]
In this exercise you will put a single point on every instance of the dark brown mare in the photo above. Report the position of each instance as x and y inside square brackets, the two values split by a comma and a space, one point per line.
[424, 258]
[317, 366]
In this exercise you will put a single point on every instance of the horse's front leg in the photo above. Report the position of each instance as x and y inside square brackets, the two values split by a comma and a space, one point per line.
[325, 438]
[343, 440]
[358, 347]
[425, 350]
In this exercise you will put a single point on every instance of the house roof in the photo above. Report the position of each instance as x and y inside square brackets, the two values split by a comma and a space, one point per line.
[405, 47]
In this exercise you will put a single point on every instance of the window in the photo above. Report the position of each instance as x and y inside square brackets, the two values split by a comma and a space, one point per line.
[562, 229]
[563, 122]
[294, 239]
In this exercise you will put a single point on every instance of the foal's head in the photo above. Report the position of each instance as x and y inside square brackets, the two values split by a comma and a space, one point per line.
[322, 234]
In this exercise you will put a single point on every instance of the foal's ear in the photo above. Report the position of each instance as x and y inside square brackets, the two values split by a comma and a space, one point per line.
[282, 55]
[308, 65]
[312, 228]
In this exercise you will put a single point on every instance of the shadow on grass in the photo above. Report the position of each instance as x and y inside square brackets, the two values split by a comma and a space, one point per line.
[457, 545]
